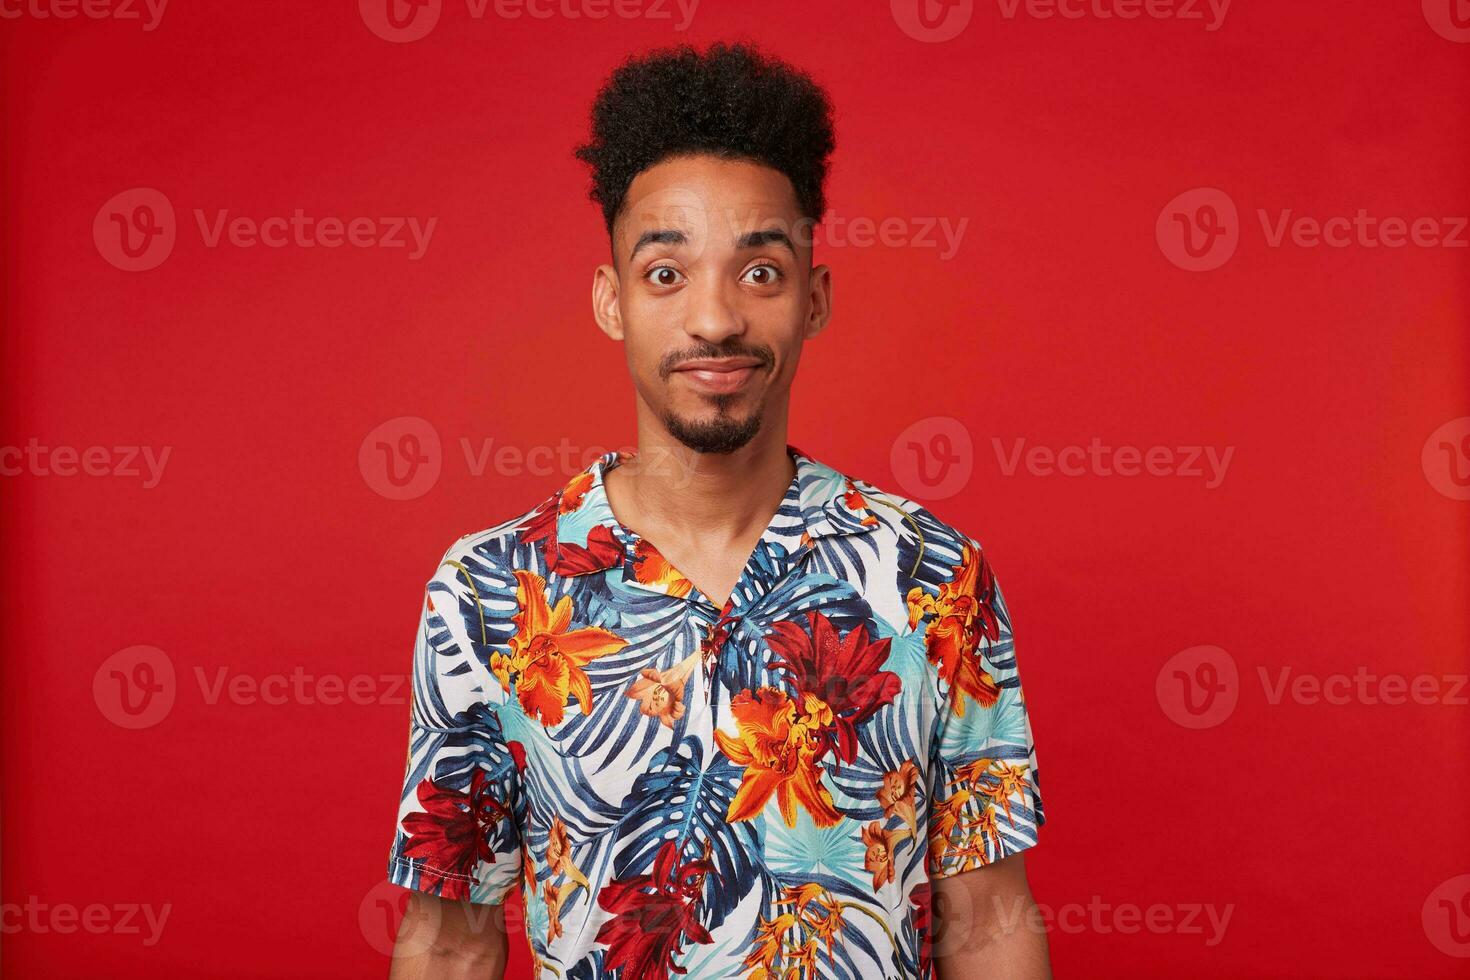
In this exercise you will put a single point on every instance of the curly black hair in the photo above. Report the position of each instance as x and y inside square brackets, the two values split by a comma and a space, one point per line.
[731, 101]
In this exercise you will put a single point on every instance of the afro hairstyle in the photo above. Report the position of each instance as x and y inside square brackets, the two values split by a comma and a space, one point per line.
[729, 101]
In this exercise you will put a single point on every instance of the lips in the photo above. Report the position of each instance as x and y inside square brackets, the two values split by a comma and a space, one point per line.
[722, 375]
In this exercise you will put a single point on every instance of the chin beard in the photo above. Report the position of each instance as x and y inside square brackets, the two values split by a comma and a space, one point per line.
[721, 434]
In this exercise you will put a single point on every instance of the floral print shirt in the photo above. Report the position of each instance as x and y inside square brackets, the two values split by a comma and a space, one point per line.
[759, 789]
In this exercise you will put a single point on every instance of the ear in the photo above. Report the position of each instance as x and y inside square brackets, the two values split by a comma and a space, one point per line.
[605, 301]
[820, 300]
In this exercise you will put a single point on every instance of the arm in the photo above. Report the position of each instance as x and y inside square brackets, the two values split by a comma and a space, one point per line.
[987, 924]
[444, 940]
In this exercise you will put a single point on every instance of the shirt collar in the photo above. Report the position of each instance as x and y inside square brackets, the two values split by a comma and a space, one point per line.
[587, 536]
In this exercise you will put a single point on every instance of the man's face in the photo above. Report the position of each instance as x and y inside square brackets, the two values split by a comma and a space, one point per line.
[712, 293]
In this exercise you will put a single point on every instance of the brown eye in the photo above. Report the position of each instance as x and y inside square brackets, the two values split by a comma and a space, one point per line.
[762, 275]
[664, 275]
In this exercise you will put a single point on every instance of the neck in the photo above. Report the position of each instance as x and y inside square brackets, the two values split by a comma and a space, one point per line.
[668, 487]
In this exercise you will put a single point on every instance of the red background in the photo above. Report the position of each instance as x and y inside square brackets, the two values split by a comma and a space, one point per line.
[264, 548]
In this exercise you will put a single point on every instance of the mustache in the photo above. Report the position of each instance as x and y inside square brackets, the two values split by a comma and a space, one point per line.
[708, 351]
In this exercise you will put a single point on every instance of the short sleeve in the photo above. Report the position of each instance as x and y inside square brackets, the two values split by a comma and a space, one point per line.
[461, 807]
[984, 798]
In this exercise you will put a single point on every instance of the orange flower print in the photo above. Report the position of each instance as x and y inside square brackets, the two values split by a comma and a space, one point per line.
[944, 818]
[896, 795]
[553, 913]
[769, 944]
[879, 857]
[528, 869]
[1010, 780]
[778, 750]
[546, 659]
[660, 693]
[853, 501]
[652, 568]
[818, 910]
[803, 960]
[997, 780]
[559, 854]
[959, 616]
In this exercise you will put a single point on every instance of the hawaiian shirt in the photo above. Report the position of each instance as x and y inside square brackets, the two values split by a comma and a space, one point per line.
[760, 789]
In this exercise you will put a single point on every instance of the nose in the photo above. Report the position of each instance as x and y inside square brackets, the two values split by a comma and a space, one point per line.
[713, 314]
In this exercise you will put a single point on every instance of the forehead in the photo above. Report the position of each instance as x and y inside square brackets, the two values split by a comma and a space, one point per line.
[708, 198]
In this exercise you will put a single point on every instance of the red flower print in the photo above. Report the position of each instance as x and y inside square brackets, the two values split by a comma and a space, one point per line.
[843, 674]
[602, 549]
[452, 834]
[653, 914]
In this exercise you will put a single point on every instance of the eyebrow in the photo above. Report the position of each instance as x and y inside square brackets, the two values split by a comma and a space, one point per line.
[769, 236]
[659, 236]
[751, 239]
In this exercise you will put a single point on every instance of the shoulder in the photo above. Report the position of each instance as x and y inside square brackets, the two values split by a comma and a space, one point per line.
[492, 553]
[908, 525]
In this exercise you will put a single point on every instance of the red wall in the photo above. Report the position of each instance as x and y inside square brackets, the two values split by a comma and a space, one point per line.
[1068, 311]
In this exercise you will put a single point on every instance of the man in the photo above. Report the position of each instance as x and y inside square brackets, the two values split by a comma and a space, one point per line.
[715, 709]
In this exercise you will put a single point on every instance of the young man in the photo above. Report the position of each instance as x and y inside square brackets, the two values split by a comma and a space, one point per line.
[714, 708]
